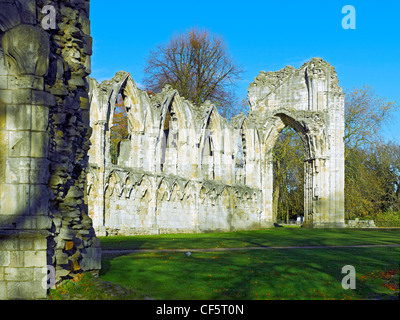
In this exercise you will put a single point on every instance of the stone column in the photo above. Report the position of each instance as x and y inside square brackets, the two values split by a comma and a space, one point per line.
[218, 164]
[99, 202]
[267, 191]
[24, 167]
[137, 148]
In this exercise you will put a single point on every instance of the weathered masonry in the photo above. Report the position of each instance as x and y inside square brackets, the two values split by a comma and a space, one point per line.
[187, 169]
[44, 139]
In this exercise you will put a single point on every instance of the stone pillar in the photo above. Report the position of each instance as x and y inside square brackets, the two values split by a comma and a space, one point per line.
[137, 148]
[267, 191]
[328, 164]
[217, 160]
[308, 193]
[99, 145]
[24, 165]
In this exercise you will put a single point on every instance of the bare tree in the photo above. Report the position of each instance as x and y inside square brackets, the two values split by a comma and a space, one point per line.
[197, 64]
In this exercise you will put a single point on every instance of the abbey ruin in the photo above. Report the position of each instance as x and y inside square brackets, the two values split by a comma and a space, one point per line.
[184, 168]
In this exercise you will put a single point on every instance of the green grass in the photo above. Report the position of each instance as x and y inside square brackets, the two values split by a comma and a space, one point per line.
[254, 274]
[86, 287]
[267, 237]
[246, 274]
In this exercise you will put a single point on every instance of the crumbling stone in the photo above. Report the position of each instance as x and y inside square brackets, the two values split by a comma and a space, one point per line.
[357, 223]
[45, 133]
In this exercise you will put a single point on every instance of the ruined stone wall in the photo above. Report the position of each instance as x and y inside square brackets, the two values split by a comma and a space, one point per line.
[44, 136]
[227, 164]
[145, 203]
[182, 169]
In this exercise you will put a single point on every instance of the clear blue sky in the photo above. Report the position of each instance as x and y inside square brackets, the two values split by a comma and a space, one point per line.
[261, 35]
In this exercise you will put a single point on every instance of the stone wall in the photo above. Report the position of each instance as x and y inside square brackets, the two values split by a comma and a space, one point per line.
[44, 136]
[146, 203]
[357, 223]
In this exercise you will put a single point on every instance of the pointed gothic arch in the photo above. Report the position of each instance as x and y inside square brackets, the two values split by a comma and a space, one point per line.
[312, 134]
[211, 144]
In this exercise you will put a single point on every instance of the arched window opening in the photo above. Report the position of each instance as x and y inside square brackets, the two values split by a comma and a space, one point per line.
[169, 152]
[208, 150]
[207, 156]
[211, 147]
[240, 160]
[119, 128]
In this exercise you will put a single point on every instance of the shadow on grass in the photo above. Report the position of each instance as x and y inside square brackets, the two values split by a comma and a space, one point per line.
[272, 274]
[258, 238]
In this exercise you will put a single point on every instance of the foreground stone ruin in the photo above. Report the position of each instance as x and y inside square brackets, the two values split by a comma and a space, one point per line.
[187, 169]
[44, 136]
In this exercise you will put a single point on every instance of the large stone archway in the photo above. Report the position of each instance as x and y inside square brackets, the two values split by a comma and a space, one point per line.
[310, 101]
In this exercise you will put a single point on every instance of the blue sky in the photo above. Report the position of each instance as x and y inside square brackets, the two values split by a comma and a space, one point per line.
[261, 35]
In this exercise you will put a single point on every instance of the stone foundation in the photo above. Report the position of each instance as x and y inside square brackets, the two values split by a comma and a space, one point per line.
[139, 203]
[23, 257]
[357, 223]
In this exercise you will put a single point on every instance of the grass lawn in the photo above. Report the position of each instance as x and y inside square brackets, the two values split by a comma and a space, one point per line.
[255, 274]
[247, 274]
[269, 237]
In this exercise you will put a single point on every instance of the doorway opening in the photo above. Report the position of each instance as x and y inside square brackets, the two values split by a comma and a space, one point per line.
[288, 177]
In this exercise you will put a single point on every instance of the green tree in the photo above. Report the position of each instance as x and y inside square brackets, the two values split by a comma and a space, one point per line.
[371, 174]
[372, 181]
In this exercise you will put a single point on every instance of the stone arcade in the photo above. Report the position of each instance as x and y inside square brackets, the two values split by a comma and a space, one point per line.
[187, 169]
